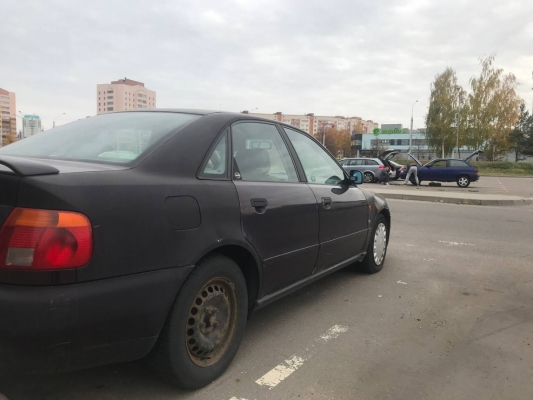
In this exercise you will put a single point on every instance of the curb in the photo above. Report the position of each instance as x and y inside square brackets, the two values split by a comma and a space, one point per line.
[451, 200]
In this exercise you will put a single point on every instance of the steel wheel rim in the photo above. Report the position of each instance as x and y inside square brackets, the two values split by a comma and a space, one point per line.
[368, 177]
[380, 243]
[211, 323]
[463, 181]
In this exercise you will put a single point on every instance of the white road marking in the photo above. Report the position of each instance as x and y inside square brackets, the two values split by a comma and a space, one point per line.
[235, 398]
[282, 371]
[429, 259]
[401, 282]
[333, 332]
[273, 377]
[456, 243]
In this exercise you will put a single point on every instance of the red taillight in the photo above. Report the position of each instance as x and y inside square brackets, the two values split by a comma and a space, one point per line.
[476, 171]
[45, 239]
[381, 167]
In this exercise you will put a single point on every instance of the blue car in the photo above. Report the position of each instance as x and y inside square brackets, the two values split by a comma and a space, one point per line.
[446, 170]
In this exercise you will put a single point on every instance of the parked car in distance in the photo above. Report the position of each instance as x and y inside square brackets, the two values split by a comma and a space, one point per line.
[370, 167]
[158, 233]
[446, 170]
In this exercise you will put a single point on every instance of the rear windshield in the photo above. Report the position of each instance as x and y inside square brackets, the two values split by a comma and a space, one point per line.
[111, 138]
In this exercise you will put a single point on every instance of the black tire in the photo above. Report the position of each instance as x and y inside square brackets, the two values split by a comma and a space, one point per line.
[369, 265]
[397, 176]
[368, 177]
[463, 181]
[193, 325]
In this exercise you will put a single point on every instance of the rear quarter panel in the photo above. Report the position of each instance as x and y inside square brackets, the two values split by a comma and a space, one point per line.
[133, 231]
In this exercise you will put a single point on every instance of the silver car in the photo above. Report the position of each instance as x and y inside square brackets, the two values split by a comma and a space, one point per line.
[370, 167]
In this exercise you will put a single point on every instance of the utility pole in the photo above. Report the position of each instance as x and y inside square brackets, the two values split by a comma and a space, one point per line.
[324, 136]
[411, 130]
[458, 119]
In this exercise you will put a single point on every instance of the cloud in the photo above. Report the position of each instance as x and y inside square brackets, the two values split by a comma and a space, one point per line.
[343, 57]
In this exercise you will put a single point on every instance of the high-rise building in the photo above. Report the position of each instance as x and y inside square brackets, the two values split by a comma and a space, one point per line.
[31, 125]
[8, 123]
[315, 125]
[124, 94]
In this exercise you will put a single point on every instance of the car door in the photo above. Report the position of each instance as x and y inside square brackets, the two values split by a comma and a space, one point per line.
[343, 209]
[279, 214]
[438, 171]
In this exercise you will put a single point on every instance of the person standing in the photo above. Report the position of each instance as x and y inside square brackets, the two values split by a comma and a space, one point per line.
[412, 169]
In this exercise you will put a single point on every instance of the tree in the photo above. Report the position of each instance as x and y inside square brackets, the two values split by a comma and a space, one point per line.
[521, 138]
[442, 118]
[494, 109]
[338, 142]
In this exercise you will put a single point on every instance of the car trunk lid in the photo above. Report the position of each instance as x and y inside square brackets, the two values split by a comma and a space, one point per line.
[475, 153]
[388, 154]
[14, 169]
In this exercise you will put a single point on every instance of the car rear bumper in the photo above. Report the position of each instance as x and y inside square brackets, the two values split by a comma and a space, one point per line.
[58, 328]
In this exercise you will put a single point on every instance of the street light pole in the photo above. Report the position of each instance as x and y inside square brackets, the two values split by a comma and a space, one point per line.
[411, 130]
[54, 121]
[324, 136]
[458, 119]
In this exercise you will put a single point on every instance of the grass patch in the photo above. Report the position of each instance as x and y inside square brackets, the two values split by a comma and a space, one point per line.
[488, 168]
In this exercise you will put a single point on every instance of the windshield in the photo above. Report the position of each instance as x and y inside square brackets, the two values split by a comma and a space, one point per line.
[111, 138]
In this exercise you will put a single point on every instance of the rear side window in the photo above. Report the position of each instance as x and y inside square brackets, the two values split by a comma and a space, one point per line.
[216, 166]
[260, 154]
[110, 138]
[458, 163]
[356, 162]
[370, 162]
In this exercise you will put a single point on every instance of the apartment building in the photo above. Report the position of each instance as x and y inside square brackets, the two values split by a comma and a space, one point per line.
[8, 110]
[122, 95]
[316, 124]
[31, 125]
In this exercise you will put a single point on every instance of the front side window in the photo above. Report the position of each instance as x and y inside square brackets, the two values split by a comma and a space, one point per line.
[439, 164]
[260, 154]
[458, 163]
[319, 167]
[109, 138]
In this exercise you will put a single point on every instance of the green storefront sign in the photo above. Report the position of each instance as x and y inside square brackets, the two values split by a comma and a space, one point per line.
[378, 131]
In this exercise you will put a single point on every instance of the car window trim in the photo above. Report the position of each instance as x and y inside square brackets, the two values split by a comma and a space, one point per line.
[235, 168]
[346, 177]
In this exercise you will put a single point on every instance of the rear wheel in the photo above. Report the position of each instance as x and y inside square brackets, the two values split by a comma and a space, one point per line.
[377, 248]
[205, 325]
[463, 181]
[368, 177]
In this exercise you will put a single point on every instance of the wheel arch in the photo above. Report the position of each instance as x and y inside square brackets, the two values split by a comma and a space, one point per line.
[249, 265]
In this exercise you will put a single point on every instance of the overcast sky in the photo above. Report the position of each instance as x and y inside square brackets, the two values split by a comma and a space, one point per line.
[371, 59]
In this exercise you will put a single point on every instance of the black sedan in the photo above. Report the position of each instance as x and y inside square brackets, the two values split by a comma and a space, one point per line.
[158, 233]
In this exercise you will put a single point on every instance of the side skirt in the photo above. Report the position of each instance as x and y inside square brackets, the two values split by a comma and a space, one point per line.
[306, 281]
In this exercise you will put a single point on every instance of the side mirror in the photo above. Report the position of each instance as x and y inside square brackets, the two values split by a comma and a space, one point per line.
[356, 177]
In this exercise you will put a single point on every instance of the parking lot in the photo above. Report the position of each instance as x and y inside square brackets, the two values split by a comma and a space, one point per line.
[487, 184]
[450, 316]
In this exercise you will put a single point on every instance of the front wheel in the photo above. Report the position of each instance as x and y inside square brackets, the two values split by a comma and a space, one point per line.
[463, 181]
[368, 177]
[205, 325]
[377, 248]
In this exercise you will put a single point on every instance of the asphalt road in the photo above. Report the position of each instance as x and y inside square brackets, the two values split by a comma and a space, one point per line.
[487, 184]
[449, 317]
